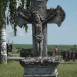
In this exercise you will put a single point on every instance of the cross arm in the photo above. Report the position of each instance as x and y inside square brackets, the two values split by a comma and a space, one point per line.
[56, 16]
[22, 16]
[49, 18]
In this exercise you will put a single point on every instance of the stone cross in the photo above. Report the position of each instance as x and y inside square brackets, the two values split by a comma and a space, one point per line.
[38, 15]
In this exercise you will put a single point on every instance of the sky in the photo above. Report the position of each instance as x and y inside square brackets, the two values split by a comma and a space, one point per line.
[64, 35]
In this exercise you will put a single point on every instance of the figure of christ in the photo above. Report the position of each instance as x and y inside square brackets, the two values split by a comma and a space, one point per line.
[38, 33]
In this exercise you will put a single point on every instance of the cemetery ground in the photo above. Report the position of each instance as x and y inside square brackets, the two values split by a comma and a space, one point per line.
[14, 69]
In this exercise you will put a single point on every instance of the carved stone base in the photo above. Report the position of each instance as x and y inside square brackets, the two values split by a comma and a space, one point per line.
[40, 69]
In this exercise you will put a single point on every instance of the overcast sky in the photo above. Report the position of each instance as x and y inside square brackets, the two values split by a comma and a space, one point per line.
[64, 35]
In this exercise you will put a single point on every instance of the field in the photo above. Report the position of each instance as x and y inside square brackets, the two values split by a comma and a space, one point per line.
[49, 46]
[14, 69]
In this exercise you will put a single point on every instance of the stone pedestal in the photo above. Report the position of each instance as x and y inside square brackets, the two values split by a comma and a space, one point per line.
[35, 67]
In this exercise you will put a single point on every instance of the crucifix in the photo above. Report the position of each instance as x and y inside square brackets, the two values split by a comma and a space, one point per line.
[40, 65]
[38, 15]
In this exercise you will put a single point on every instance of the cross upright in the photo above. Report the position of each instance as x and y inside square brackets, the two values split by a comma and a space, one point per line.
[38, 15]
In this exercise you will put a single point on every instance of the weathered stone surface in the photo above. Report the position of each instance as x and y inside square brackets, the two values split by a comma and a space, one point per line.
[56, 16]
[40, 67]
[40, 8]
[40, 71]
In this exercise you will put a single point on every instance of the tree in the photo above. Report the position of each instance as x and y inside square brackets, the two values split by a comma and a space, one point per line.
[12, 7]
[3, 54]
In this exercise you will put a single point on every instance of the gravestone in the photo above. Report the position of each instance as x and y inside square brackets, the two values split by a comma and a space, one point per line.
[40, 65]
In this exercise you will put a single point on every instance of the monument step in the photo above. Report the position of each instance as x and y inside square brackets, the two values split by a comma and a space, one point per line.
[16, 58]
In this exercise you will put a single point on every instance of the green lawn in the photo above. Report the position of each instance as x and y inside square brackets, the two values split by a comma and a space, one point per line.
[14, 69]
[67, 70]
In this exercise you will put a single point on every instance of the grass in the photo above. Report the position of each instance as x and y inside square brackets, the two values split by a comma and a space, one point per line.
[14, 69]
[67, 70]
